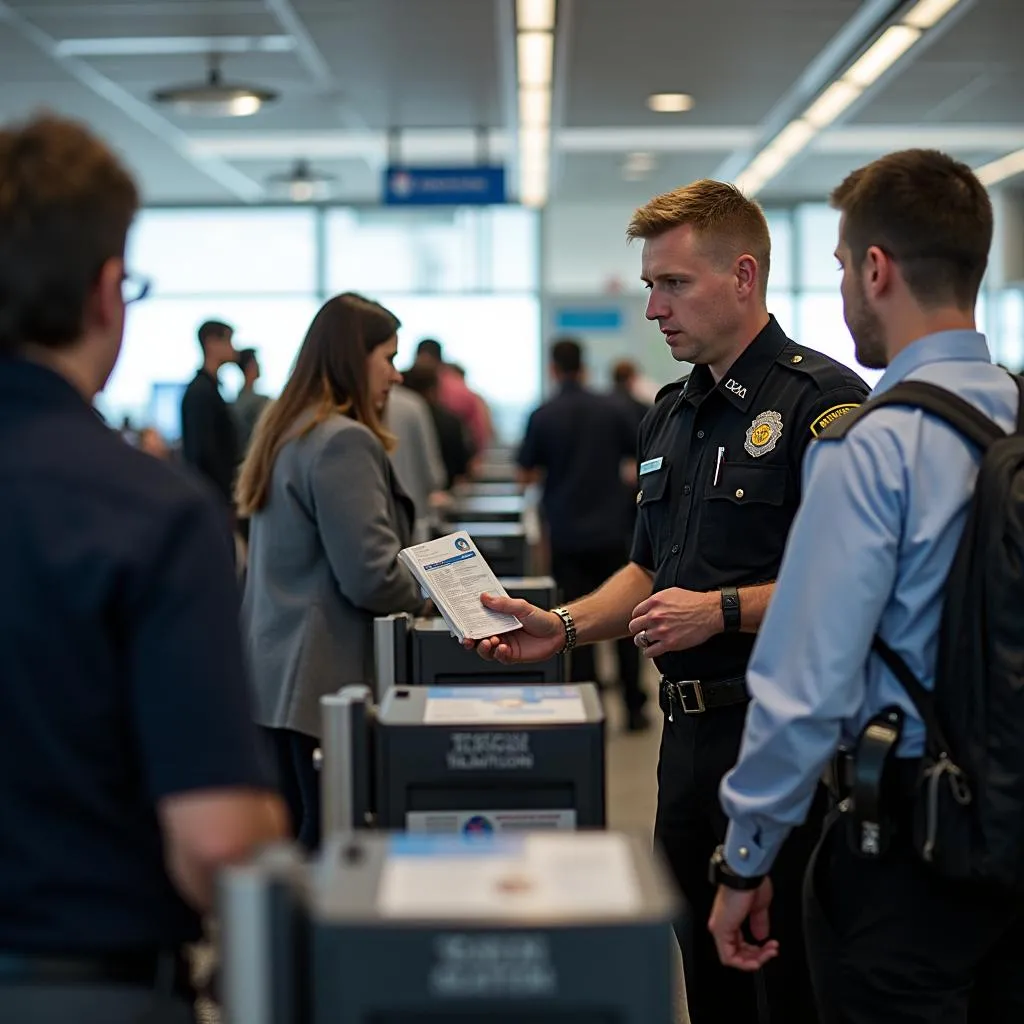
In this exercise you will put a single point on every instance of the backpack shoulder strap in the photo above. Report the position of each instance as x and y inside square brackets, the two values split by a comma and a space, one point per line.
[923, 700]
[1019, 381]
[919, 394]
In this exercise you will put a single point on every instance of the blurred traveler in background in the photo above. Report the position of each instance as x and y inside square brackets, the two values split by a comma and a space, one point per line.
[129, 770]
[625, 378]
[455, 395]
[452, 434]
[249, 403]
[416, 455]
[152, 443]
[576, 443]
[327, 520]
[209, 438]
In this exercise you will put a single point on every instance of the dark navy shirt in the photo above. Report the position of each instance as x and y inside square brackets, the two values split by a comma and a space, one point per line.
[579, 439]
[720, 478]
[122, 676]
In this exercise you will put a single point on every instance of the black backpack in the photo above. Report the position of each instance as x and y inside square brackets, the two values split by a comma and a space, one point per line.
[969, 803]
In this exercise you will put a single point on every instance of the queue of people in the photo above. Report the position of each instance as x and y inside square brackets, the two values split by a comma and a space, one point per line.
[777, 531]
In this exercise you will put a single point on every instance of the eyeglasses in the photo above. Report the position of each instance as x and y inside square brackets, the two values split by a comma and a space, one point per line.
[134, 288]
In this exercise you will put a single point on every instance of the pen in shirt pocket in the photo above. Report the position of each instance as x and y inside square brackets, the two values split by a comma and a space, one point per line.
[718, 466]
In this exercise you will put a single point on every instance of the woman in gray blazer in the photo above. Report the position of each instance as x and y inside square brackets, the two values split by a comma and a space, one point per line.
[328, 519]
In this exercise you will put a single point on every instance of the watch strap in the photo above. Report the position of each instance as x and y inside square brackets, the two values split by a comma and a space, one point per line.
[570, 628]
[731, 615]
[721, 874]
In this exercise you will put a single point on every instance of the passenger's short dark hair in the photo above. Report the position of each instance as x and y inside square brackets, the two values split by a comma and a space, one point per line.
[429, 347]
[930, 214]
[567, 355]
[66, 204]
[246, 357]
[421, 379]
[211, 329]
[623, 372]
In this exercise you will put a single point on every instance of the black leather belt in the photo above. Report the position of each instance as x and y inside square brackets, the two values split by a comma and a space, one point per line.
[695, 696]
[168, 972]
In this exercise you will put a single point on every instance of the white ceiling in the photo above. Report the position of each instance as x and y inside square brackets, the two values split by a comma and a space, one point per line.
[434, 81]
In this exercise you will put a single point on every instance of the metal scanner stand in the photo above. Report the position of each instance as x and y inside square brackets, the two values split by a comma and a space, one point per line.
[556, 929]
[460, 760]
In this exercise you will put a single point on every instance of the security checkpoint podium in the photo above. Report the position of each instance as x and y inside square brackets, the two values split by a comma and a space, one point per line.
[421, 651]
[487, 508]
[506, 546]
[463, 759]
[529, 929]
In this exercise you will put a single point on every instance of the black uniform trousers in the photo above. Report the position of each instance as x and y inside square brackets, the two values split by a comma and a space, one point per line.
[578, 573]
[696, 752]
[890, 942]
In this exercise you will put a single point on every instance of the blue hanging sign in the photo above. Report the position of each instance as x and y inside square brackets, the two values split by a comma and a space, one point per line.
[447, 186]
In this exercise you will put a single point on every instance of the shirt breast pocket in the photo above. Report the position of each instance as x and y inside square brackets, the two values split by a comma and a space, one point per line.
[654, 503]
[745, 519]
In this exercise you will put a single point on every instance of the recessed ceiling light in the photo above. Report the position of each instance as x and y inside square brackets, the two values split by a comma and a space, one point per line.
[670, 102]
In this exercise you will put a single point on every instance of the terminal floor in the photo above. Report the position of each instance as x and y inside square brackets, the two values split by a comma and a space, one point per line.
[632, 761]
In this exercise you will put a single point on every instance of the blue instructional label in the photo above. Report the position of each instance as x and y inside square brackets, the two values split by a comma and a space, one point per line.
[651, 465]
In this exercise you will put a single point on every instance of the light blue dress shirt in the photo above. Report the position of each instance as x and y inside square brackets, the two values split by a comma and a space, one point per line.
[869, 551]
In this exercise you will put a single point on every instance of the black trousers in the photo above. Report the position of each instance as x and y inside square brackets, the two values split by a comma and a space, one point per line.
[298, 781]
[90, 1004]
[696, 752]
[892, 943]
[577, 574]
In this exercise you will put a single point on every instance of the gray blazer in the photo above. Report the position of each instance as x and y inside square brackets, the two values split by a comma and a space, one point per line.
[322, 564]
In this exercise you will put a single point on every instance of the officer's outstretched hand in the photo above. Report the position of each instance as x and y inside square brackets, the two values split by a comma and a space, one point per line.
[728, 915]
[675, 620]
[542, 635]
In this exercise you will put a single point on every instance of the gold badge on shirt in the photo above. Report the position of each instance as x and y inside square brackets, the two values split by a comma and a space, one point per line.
[763, 434]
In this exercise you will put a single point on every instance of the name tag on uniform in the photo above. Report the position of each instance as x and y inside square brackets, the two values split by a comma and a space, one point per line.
[651, 465]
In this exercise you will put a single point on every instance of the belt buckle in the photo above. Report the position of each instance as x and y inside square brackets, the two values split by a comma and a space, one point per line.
[697, 692]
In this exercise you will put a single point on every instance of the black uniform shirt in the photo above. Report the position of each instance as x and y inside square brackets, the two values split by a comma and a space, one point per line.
[720, 478]
[580, 438]
[209, 434]
[122, 676]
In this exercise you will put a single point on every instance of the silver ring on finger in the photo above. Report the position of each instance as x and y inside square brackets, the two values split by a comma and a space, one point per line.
[642, 639]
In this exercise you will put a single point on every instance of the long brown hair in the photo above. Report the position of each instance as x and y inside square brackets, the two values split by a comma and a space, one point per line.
[329, 377]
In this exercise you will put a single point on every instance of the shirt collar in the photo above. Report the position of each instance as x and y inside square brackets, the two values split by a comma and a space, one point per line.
[742, 380]
[934, 348]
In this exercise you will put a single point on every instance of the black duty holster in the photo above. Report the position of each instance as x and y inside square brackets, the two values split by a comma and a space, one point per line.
[865, 806]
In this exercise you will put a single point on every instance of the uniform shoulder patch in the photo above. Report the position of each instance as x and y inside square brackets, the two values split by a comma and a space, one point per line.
[829, 416]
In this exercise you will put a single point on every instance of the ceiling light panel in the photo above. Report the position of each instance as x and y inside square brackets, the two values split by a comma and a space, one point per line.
[929, 13]
[535, 15]
[535, 107]
[1001, 169]
[670, 102]
[535, 59]
[884, 52]
[831, 103]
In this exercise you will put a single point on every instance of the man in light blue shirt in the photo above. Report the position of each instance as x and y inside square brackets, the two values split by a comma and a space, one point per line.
[870, 549]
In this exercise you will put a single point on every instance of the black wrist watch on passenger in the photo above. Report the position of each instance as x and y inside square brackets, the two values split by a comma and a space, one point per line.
[719, 873]
[731, 615]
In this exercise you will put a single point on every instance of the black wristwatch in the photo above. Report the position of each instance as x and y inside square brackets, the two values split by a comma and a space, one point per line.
[731, 609]
[720, 873]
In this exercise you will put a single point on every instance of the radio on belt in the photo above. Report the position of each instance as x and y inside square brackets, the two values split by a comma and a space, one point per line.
[531, 929]
[464, 759]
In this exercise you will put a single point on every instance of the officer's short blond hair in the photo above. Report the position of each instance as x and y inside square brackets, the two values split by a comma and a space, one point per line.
[720, 214]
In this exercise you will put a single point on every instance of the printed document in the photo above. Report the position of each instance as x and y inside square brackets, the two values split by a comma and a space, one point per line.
[453, 574]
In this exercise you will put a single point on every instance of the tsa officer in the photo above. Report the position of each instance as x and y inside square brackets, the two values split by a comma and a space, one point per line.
[883, 512]
[719, 484]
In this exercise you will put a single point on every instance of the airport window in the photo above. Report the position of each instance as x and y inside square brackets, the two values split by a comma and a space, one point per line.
[468, 276]
[820, 325]
[817, 227]
[161, 353]
[428, 251]
[225, 252]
